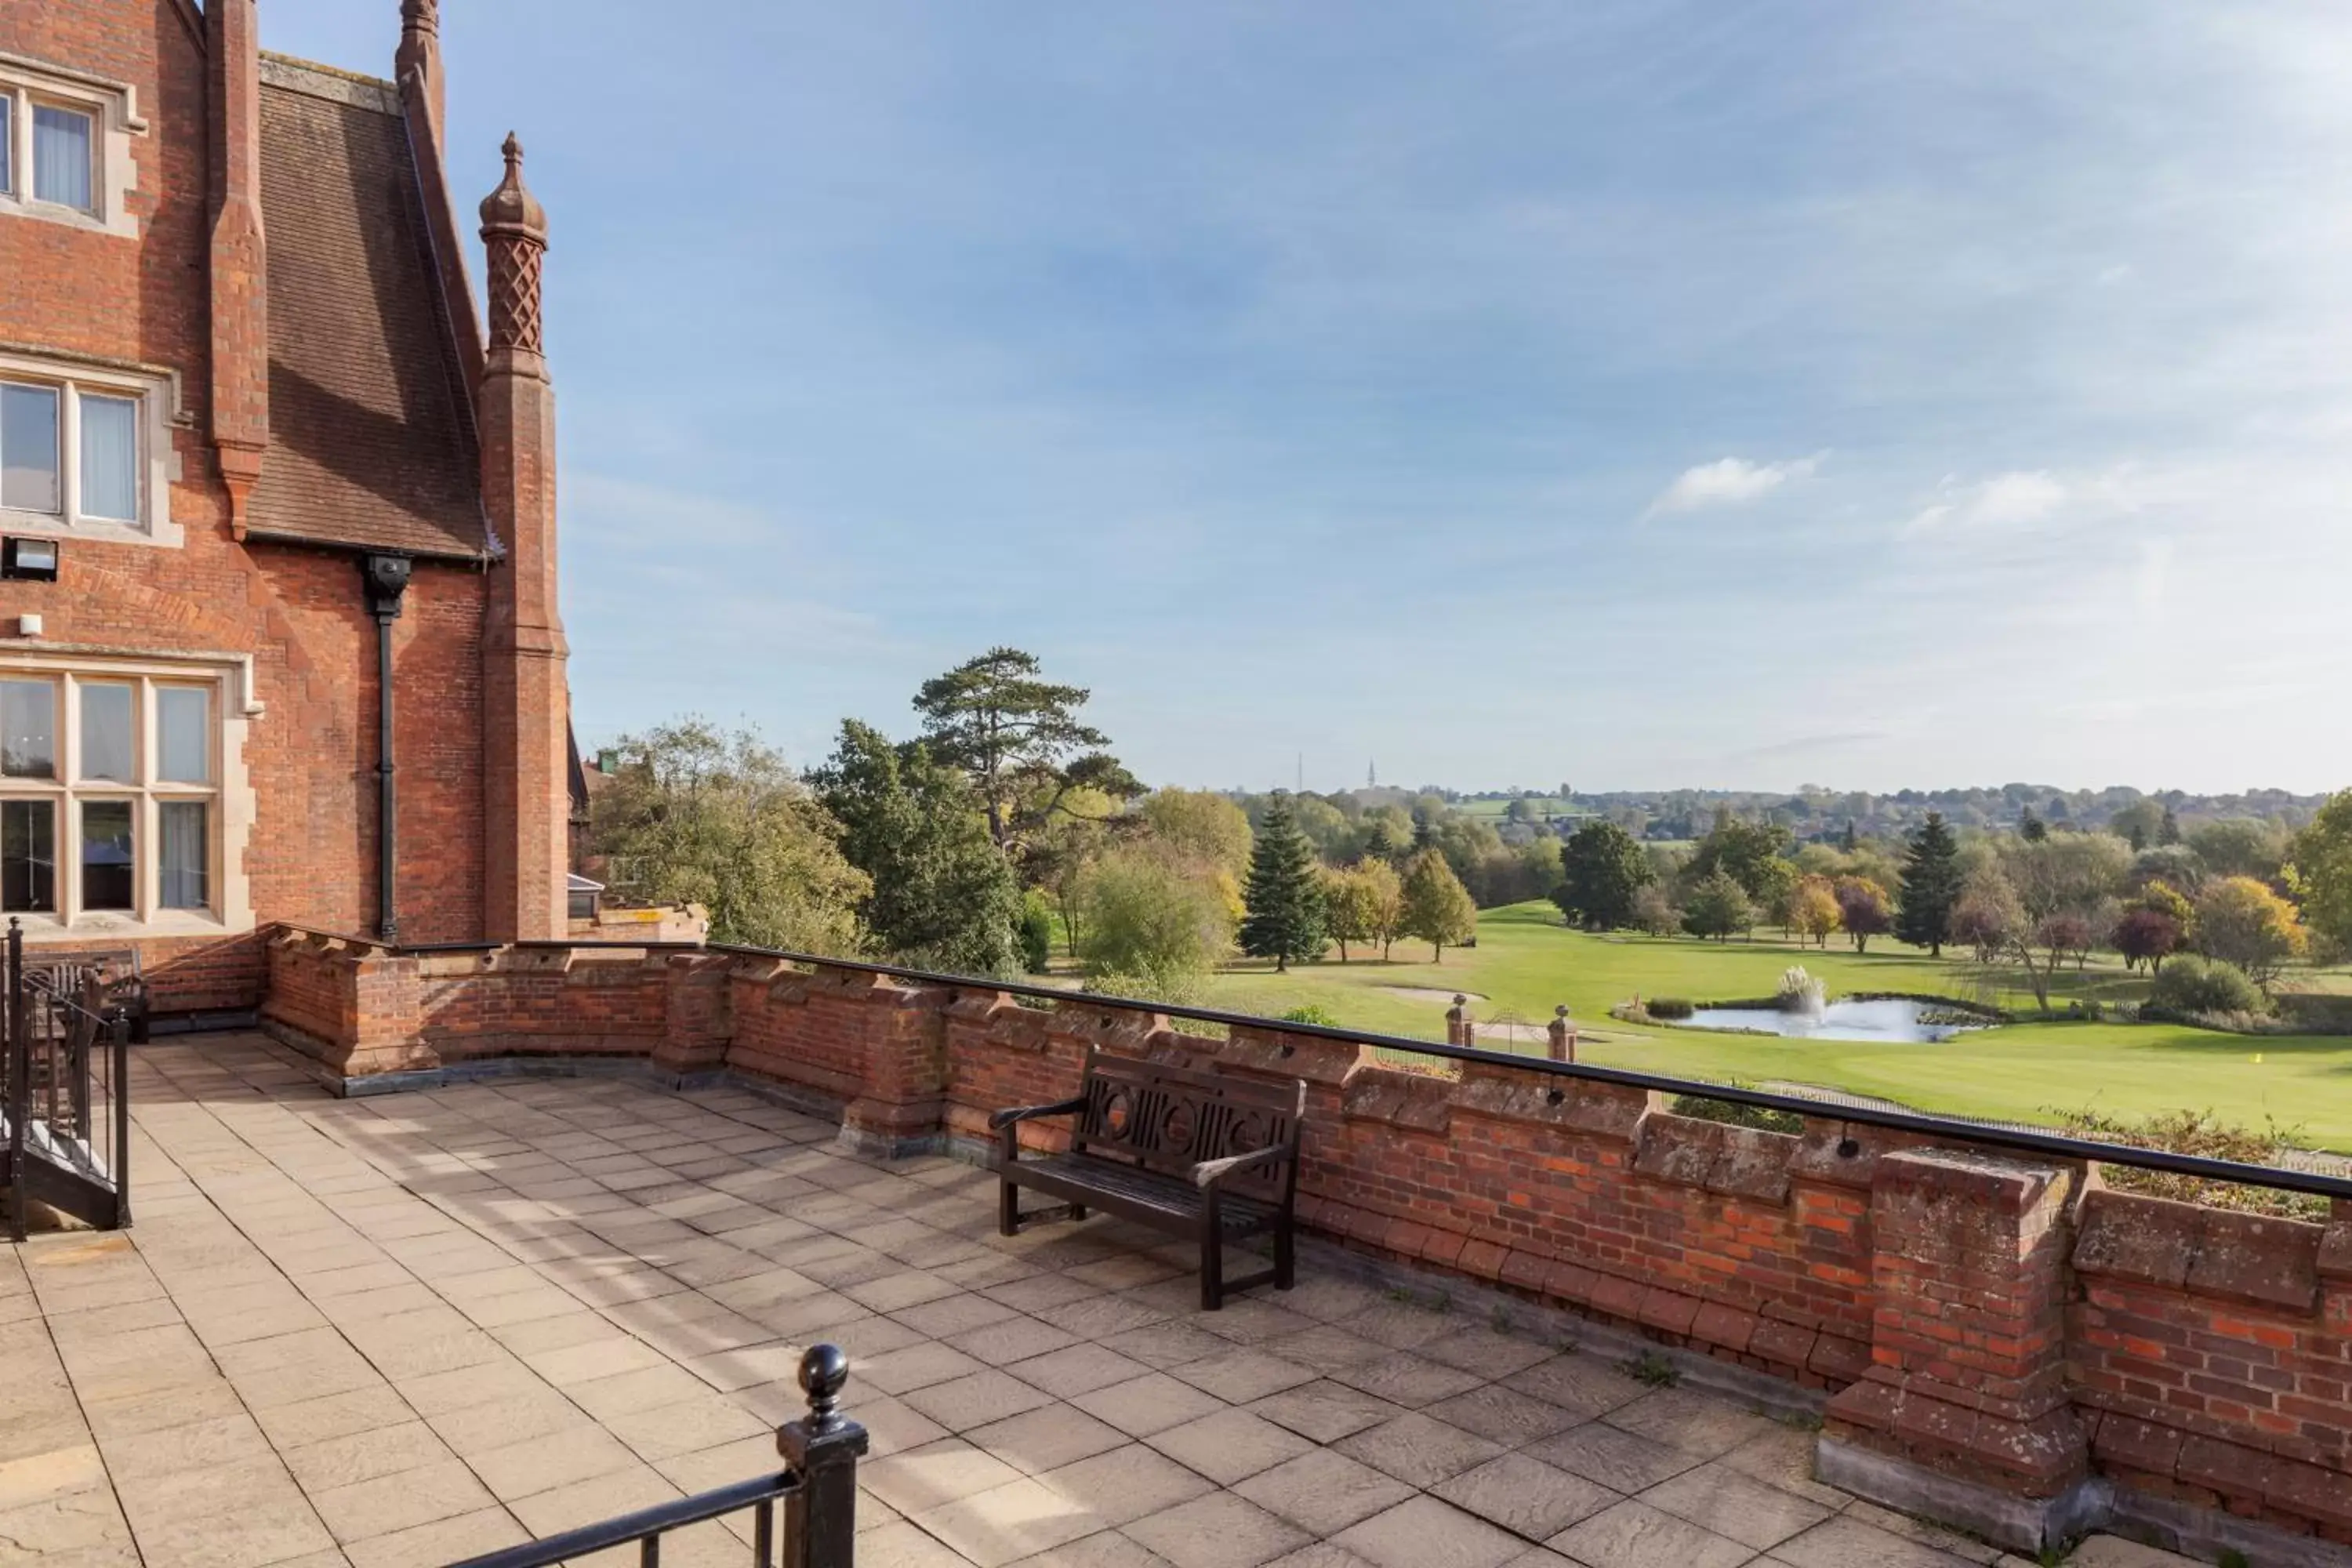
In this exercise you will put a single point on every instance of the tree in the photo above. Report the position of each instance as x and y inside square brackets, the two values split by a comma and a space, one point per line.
[1064, 846]
[1363, 903]
[942, 896]
[1384, 833]
[2320, 873]
[1931, 885]
[1019, 741]
[1284, 895]
[1655, 912]
[2239, 847]
[2068, 875]
[1466, 842]
[1601, 868]
[1813, 909]
[2240, 921]
[1748, 852]
[2066, 935]
[2176, 864]
[2168, 828]
[2029, 827]
[1152, 919]
[1200, 826]
[1437, 908]
[1863, 910]
[1716, 907]
[1987, 914]
[695, 815]
[2146, 936]
[2137, 824]
[1774, 889]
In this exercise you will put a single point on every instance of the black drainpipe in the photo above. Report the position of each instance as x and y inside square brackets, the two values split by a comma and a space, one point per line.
[386, 579]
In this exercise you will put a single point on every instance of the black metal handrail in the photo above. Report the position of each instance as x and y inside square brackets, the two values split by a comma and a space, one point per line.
[818, 1488]
[2054, 1145]
[63, 1046]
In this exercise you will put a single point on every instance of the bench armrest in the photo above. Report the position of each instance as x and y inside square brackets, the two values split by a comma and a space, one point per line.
[998, 1121]
[1209, 1173]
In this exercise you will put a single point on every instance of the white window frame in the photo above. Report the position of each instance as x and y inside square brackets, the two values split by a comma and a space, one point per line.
[158, 463]
[230, 822]
[114, 119]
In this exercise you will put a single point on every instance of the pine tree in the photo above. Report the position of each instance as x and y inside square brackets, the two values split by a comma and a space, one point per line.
[1852, 839]
[1437, 908]
[1284, 896]
[2168, 832]
[2029, 827]
[1931, 885]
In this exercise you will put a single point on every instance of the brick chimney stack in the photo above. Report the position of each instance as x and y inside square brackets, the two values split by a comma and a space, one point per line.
[240, 293]
[525, 702]
[420, 55]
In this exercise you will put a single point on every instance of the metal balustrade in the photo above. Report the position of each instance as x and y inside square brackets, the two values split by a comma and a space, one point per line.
[816, 1493]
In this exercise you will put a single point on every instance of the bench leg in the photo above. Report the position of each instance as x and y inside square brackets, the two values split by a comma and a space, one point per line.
[1078, 1211]
[1008, 1208]
[1212, 1254]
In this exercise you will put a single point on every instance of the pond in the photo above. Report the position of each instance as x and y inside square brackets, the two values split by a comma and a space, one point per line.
[1893, 1019]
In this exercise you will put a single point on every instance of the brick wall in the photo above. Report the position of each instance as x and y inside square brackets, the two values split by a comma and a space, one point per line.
[297, 612]
[2005, 1321]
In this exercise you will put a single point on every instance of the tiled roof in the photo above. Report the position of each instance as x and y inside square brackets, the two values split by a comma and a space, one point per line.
[370, 442]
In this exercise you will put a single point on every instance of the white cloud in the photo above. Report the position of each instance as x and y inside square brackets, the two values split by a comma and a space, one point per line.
[2018, 498]
[2004, 500]
[1726, 481]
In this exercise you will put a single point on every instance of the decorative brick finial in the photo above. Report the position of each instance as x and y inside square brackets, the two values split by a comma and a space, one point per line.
[420, 15]
[514, 227]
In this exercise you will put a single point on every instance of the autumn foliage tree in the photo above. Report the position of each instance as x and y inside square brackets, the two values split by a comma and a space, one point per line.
[1813, 909]
[1864, 909]
[2241, 921]
[2146, 936]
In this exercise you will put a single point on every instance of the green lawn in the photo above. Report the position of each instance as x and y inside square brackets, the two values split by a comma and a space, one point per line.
[1526, 963]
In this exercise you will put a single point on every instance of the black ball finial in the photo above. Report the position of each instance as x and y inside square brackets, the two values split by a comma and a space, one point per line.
[825, 1371]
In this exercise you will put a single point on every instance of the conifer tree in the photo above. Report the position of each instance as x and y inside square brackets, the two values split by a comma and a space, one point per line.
[2030, 828]
[1284, 896]
[1437, 907]
[2169, 831]
[1931, 885]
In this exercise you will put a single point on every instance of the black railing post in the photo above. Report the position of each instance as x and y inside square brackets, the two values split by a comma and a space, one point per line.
[20, 1078]
[822, 1449]
[119, 1026]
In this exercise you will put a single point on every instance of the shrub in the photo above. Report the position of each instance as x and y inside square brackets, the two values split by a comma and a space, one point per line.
[1763, 1119]
[2200, 1133]
[1036, 932]
[1173, 987]
[2189, 985]
[1310, 1014]
[1669, 1007]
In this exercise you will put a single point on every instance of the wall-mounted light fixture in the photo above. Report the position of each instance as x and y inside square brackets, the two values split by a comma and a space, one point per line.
[35, 560]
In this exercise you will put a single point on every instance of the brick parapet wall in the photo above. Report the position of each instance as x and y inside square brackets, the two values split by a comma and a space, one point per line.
[2007, 1322]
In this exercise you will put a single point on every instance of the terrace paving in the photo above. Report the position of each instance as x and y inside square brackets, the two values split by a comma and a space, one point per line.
[396, 1331]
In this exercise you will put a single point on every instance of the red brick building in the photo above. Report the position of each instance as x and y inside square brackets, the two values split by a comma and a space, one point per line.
[278, 636]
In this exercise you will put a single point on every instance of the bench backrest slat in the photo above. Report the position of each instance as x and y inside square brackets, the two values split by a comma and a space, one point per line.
[1168, 1119]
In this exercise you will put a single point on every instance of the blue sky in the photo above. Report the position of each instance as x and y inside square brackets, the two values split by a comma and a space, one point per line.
[1708, 393]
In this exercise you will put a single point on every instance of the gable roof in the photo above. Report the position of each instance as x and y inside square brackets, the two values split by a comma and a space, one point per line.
[371, 441]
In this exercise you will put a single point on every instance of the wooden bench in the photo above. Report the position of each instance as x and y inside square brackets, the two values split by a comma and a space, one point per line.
[1194, 1153]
